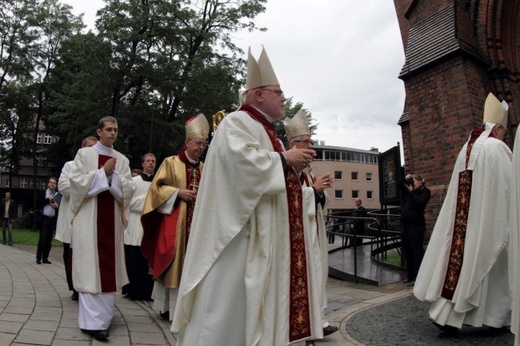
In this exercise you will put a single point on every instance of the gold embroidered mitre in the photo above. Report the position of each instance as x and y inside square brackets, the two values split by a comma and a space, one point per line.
[197, 127]
[297, 125]
[260, 73]
[495, 111]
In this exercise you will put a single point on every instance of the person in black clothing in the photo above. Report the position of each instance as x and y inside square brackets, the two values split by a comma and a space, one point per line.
[8, 214]
[335, 229]
[51, 204]
[359, 225]
[413, 225]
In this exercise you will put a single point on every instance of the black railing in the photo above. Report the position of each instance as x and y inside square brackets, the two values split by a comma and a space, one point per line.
[381, 232]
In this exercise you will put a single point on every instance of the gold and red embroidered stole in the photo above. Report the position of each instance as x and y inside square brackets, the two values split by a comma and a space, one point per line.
[460, 224]
[105, 225]
[193, 173]
[299, 314]
[299, 311]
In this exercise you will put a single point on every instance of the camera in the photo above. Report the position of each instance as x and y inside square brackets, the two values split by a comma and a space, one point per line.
[409, 181]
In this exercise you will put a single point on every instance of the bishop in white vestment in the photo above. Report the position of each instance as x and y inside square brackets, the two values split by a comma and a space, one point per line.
[464, 272]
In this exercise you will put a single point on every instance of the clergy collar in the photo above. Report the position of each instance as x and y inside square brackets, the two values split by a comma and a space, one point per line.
[101, 149]
[147, 177]
[192, 161]
[264, 114]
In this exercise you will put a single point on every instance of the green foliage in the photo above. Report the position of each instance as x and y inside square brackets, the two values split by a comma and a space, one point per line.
[151, 64]
[290, 111]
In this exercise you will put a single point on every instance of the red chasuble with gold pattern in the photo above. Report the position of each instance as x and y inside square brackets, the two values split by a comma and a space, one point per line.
[299, 311]
[106, 236]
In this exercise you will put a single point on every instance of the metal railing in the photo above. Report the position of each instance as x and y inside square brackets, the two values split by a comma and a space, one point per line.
[382, 230]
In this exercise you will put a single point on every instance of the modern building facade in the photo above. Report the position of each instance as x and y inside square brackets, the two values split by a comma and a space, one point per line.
[355, 174]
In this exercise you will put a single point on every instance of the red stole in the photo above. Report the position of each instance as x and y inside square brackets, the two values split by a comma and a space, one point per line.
[106, 236]
[299, 311]
[460, 223]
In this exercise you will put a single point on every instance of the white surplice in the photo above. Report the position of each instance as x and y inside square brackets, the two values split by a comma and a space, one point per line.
[514, 242]
[235, 284]
[63, 226]
[134, 229]
[318, 231]
[482, 294]
[86, 182]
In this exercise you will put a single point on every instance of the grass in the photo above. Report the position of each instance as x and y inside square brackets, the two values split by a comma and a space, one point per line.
[29, 237]
[393, 258]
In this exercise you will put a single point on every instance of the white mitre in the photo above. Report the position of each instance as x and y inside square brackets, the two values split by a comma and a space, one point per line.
[197, 127]
[260, 73]
[297, 125]
[495, 111]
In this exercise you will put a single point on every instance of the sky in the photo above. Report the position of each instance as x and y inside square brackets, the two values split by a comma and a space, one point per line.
[339, 58]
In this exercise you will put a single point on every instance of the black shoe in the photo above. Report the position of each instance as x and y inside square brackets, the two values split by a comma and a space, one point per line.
[74, 296]
[100, 334]
[411, 284]
[165, 315]
[329, 330]
[407, 281]
[447, 330]
[38, 261]
[47, 262]
[10, 243]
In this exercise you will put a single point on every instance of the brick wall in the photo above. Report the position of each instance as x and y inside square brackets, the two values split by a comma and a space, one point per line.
[444, 99]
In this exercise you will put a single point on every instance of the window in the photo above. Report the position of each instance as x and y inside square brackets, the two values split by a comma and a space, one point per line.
[43, 185]
[370, 194]
[338, 194]
[47, 139]
[338, 175]
[23, 182]
[369, 176]
[7, 183]
[334, 155]
[354, 176]
[39, 138]
[355, 194]
[362, 158]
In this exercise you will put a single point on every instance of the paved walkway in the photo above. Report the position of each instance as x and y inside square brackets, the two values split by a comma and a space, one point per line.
[36, 309]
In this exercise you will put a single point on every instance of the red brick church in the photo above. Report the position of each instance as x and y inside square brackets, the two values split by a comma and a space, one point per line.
[456, 53]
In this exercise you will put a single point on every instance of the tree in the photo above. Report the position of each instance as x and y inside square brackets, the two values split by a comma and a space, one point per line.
[17, 18]
[291, 111]
[168, 63]
[54, 23]
[79, 92]
[16, 117]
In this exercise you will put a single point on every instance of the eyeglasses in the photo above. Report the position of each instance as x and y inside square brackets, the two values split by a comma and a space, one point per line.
[199, 143]
[304, 141]
[277, 92]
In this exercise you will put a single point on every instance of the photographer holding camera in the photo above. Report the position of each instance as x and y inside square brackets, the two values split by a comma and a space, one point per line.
[413, 225]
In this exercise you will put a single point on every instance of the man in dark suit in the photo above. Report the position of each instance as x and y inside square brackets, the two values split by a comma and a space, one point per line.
[7, 210]
[359, 225]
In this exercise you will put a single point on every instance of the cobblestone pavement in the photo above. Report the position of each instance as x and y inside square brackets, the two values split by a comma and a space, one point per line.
[405, 322]
[36, 309]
